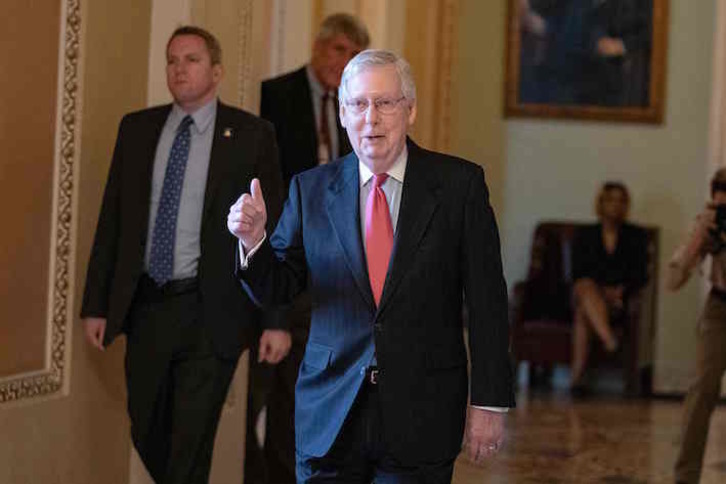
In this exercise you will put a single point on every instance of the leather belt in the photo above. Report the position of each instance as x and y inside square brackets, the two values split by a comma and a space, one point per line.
[149, 289]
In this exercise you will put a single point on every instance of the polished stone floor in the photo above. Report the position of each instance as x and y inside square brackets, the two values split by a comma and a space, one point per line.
[552, 438]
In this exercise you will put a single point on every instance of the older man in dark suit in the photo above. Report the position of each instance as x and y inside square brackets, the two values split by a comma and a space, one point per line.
[387, 240]
[160, 265]
[303, 106]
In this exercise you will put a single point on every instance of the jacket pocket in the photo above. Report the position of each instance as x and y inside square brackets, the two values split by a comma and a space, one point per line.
[317, 356]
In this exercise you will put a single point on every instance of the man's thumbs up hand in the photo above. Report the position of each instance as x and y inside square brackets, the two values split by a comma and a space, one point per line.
[248, 216]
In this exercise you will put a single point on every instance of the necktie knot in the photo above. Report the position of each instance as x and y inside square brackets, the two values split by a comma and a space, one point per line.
[185, 123]
[379, 180]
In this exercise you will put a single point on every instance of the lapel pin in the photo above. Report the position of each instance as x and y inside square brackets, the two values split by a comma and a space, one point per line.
[227, 133]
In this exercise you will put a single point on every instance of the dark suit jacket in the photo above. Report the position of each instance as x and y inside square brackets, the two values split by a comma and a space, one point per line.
[243, 148]
[446, 244]
[286, 102]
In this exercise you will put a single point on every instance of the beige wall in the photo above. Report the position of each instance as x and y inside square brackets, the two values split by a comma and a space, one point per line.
[551, 169]
[478, 130]
[26, 180]
[82, 438]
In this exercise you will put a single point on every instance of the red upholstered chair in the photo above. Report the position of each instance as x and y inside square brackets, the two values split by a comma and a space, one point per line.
[542, 310]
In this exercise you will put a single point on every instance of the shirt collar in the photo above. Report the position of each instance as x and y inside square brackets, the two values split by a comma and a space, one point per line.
[202, 117]
[397, 171]
[315, 85]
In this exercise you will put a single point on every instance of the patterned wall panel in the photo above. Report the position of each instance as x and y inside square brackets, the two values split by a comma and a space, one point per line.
[52, 378]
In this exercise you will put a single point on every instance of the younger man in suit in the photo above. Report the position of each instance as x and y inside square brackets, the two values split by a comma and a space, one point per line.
[303, 106]
[160, 265]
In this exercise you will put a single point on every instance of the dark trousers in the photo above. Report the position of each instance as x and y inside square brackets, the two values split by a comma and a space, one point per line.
[176, 385]
[704, 392]
[273, 387]
[359, 456]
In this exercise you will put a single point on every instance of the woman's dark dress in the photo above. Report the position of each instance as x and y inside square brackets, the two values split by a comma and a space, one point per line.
[627, 265]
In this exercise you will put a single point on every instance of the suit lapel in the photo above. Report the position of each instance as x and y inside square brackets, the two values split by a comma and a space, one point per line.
[146, 144]
[301, 110]
[419, 199]
[221, 153]
[344, 213]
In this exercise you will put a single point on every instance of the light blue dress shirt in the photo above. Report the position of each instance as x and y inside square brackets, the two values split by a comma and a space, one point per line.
[187, 248]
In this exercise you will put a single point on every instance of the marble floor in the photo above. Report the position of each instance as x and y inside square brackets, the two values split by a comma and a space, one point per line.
[551, 438]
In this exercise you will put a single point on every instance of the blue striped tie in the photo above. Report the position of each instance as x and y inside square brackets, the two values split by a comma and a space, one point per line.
[161, 260]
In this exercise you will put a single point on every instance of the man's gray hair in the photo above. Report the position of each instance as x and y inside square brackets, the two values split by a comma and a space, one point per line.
[378, 58]
[348, 25]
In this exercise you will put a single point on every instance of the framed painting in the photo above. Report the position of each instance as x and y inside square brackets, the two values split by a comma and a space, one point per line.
[586, 59]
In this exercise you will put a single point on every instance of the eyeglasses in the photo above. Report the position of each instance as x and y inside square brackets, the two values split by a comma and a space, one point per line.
[383, 105]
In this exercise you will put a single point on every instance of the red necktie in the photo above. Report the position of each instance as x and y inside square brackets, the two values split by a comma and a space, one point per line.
[379, 236]
[324, 147]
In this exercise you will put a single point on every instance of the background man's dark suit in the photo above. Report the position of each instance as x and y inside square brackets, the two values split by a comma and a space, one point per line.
[243, 147]
[287, 103]
[446, 244]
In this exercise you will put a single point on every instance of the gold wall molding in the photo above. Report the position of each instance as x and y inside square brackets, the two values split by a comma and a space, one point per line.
[52, 379]
[244, 52]
[430, 46]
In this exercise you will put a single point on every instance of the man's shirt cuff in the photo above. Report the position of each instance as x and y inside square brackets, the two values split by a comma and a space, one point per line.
[492, 409]
[244, 259]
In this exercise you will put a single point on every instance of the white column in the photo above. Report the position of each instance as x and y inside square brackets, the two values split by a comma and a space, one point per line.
[166, 15]
[291, 35]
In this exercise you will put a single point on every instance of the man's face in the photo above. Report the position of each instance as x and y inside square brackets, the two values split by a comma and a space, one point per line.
[330, 57]
[377, 138]
[190, 75]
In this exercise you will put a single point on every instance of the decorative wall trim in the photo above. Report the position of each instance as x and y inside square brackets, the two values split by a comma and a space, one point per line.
[245, 60]
[52, 378]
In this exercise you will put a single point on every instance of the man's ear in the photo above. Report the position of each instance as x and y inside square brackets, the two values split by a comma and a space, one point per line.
[217, 72]
[341, 114]
[412, 113]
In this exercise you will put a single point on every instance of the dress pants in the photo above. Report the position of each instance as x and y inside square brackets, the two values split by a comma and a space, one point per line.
[176, 384]
[358, 455]
[704, 392]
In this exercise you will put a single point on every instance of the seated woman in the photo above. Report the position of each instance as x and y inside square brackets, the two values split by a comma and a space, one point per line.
[609, 264]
